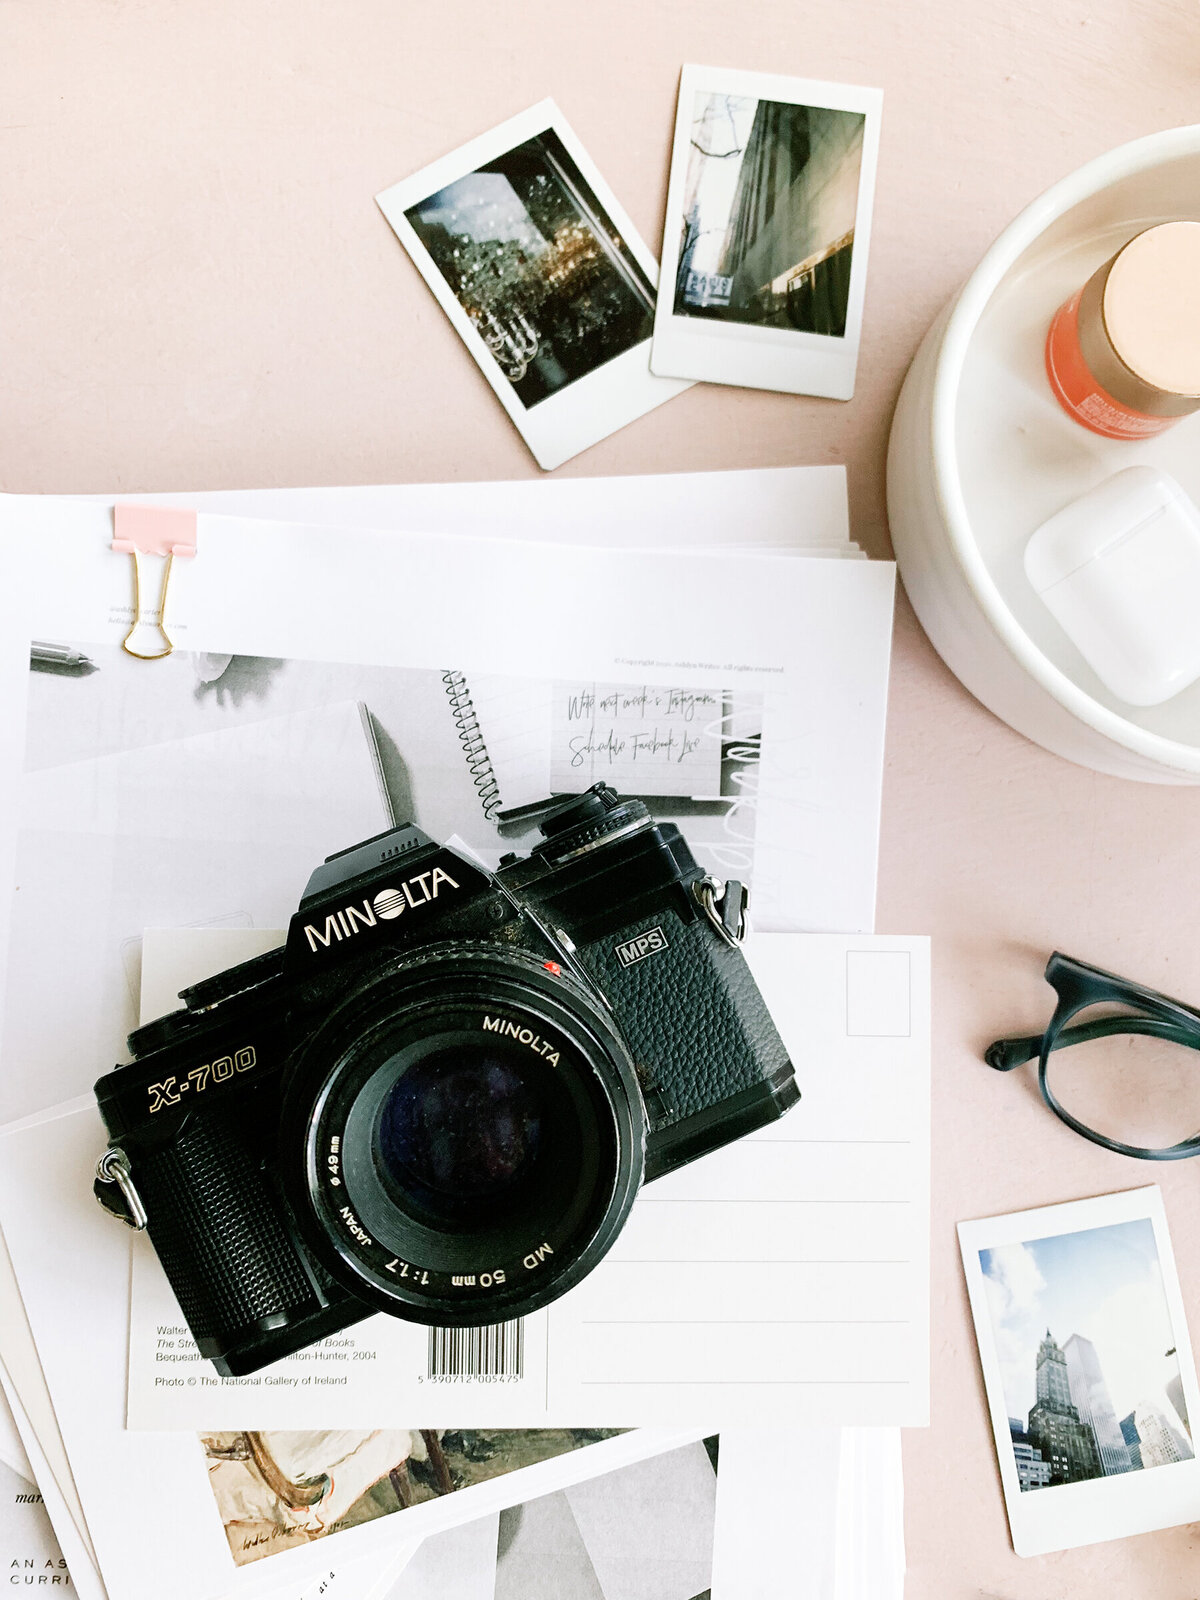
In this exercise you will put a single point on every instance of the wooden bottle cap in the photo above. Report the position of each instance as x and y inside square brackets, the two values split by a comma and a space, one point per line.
[1151, 308]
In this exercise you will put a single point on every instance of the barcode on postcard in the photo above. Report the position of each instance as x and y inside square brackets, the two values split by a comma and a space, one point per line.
[497, 1351]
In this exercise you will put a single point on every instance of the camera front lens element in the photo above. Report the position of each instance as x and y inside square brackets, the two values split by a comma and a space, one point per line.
[459, 1131]
[470, 1136]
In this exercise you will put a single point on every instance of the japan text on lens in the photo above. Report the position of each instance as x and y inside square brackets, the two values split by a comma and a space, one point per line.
[1117, 1062]
[440, 1098]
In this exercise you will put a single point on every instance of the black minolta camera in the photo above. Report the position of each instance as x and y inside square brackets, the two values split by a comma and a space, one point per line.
[441, 1096]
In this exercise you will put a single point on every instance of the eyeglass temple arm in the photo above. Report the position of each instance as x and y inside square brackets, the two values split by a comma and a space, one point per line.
[1005, 1054]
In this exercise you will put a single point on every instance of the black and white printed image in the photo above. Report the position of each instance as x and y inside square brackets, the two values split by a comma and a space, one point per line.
[769, 209]
[642, 1533]
[538, 265]
[205, 791]
[1087, 1354]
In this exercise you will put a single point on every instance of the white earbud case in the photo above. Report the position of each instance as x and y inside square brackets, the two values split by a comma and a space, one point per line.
[1120, 570]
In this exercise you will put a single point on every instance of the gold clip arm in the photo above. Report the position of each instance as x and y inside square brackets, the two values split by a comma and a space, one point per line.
[139, 620]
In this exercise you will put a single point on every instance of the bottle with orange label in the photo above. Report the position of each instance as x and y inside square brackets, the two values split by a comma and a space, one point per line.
[1123, 353]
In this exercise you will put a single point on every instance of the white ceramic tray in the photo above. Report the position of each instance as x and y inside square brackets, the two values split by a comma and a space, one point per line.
[981, 453]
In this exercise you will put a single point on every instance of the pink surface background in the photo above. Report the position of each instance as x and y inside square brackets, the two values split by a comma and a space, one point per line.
[196, 290]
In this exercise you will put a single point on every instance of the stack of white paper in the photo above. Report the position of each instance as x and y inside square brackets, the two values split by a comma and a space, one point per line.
[168, 794]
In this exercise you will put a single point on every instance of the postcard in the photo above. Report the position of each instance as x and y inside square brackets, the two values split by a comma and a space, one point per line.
[1088, 1369]
[768, 224]
[543, 276]
[834, 1294]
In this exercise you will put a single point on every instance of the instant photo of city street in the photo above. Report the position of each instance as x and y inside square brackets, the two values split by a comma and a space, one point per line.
[539, 267]
[768, 213]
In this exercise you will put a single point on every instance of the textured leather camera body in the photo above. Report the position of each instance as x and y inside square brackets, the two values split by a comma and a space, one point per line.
[610, 915]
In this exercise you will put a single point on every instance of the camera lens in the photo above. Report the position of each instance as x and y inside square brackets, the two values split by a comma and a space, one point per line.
[590, 821]
[459, 1133]
[589, 806]
[471, 1134]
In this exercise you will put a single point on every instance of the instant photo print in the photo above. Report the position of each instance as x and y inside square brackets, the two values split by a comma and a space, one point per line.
[1088, 1369]
[764, 257]
[544, 277]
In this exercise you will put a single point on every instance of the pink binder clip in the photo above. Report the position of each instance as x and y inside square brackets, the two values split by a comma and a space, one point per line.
[152, 531]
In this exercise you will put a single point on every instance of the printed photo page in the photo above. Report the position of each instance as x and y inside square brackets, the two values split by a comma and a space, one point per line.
[203, 789]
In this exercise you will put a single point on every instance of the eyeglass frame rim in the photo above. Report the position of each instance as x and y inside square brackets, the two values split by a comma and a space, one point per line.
[1087, 985]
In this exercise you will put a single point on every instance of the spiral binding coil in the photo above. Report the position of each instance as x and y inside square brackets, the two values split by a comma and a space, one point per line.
[470, 736]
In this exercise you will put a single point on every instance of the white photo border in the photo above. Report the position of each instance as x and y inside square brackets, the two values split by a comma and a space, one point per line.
[1071, 1514]
[592, 407]
[789, 360]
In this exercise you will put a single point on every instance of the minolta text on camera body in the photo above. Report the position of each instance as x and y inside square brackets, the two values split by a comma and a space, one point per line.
[440, 1098]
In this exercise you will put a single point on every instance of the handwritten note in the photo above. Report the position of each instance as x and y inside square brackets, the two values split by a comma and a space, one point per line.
[643, 739]
[537, 737]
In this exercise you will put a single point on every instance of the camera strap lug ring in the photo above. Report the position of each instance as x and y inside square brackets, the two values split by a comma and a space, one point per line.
[113, 1167]
[724, 906]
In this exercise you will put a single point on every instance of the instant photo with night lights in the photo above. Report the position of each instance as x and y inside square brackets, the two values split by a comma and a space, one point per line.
[764, 258]
[1088, 1369]
[543, 275]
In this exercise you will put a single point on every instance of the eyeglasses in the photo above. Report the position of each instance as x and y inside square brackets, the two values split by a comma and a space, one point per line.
[1116, 1054]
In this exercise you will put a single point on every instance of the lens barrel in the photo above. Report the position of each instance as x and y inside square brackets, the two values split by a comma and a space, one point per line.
[463, 1136]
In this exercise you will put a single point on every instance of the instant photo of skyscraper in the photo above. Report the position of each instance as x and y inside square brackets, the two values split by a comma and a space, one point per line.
[1085, 1355]
[1085, 1337]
